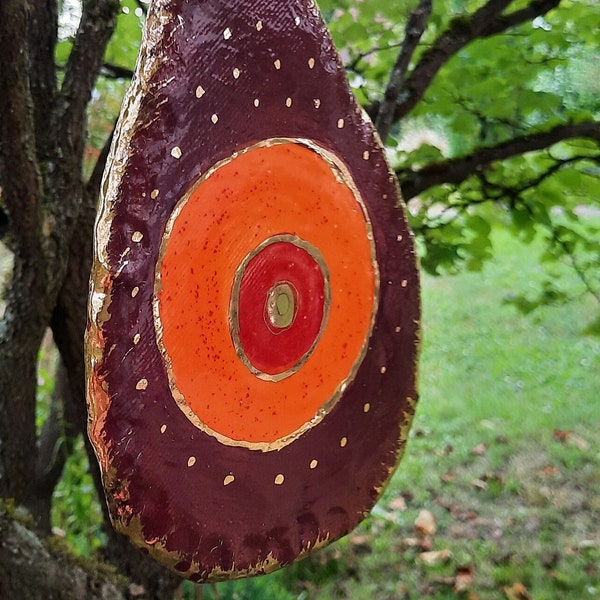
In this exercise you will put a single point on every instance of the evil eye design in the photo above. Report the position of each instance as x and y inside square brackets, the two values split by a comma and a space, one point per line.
[265, 293]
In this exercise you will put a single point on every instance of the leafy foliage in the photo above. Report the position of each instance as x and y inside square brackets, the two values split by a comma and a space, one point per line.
[529, 79]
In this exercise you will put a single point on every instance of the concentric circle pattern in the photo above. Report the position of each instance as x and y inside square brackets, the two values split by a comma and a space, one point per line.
[263, 326]
[279, 307]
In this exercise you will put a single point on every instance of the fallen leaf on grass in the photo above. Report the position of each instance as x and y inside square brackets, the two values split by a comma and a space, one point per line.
[517, 591]
[435, 557]
[550, 471]
[460, 513]
[422, 543]
[479, 484]
[398, 503]
[461, 582]
[377, 511]
[448, 477]
[449, 449]
[479, 450]
[571, 438]
[425, 524]
[361, 543]
[464, 579]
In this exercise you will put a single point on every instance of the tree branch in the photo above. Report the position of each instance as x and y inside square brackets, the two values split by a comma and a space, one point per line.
[93, 184]
[456, 170]
[534, 9]
[20, 194]
[32, 568]
[95, 29]
[115, 71]
[55, 444]
[414, 30]
[485, 22]
[43, 19]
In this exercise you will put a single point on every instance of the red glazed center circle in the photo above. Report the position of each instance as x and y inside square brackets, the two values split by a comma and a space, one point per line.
[279, 306]
[263, 326]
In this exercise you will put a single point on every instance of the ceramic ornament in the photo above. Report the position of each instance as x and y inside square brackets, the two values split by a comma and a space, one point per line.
[254, 302]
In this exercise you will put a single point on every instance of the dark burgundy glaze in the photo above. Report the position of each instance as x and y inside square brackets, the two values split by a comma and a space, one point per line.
[202, 528]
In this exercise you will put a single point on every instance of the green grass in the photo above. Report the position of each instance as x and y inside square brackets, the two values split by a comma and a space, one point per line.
[504, 453]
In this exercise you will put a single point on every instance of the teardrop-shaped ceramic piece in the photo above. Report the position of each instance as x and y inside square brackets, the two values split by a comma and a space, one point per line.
[254, 302]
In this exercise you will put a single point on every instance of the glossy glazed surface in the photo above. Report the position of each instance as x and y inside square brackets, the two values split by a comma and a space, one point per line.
[209, 492]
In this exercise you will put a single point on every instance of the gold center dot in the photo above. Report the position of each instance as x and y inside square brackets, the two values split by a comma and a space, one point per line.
[281, 306]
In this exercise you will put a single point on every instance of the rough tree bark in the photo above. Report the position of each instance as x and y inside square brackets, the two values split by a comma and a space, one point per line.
[50, 212]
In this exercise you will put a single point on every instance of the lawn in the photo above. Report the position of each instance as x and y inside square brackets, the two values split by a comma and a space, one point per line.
[498, 495]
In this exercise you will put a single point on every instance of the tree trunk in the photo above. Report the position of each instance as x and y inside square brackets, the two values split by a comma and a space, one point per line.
[30, 570]
[50, 213]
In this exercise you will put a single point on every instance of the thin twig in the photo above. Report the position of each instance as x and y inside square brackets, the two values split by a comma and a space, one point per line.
[487, 21]
[413, 33]
[456, 170]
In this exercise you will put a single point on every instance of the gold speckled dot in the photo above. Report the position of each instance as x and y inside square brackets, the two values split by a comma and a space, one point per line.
[136, 338]
[191, 461]
[142, 384]
[259, 25]
[176, 152]
[311, 63]
[277, 64]
[340, 123]
[135, 291]
[398, 329]
[366, 155]
[297, 20]
[399, 237]
[404, 283]
[279, 479]
[154, 194]
[316, 102]
[256, 102]
[227, 33]
[163, 428]
[214, 118]
[288, 102]
[137, 236]
[200, 91]
[228, 479]
[343, 442]
[236, 73]
[366, 407]
[382, 370]
[313, 463]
